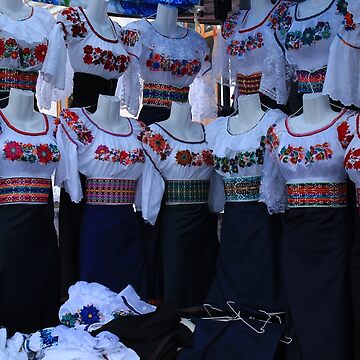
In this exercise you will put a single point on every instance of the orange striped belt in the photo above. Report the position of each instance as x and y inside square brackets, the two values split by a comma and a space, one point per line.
[248, 84]
[317, 195]
[24, 190]
[18, 79]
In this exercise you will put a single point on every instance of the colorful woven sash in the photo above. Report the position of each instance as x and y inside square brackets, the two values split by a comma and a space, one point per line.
[317, 195]
[24, 191]
[242, 189]
[248, 84]
[311, 81]
[186, 191]
[110, 191]
[164, 95]
[14, 78]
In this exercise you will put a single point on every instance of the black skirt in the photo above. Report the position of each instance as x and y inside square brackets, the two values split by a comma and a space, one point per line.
[248, 264]
[28, 268]
[316, 266]
[151, 114]
[189, 249]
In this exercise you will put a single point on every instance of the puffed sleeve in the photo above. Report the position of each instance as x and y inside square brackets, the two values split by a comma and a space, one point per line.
[273, 185]
[153, 184]
[71, 134]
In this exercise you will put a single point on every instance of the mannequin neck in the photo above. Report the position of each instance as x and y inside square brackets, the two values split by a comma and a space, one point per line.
[312, 7]
[317, 113]
[180, 123]
[107, 115]
[166, 21]
[96, 11]
[16, 9]
[249, 114]
[259, 9]
[20, 111]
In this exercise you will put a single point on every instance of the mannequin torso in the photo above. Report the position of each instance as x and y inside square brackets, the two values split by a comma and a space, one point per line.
[317, 113]
[16, 9]
[107, 115]
[249, 114]
[96, 12]
[20, 112]
[312, 7]
[259, 9]
[180, 123]
[166, 21]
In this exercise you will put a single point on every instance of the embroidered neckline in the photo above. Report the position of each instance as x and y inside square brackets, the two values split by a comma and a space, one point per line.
[262, 22]
[169, 37]
[23, 19]
[181, 140]
[312, 16]
[107, 131]
[247, 131]
[114, 41]
[314, 131]
[12, 127]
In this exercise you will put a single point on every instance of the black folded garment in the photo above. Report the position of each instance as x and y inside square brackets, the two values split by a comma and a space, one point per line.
[153, 336]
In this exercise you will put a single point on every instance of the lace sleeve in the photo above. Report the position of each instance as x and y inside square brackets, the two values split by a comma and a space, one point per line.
[216, 193]
[220, 59]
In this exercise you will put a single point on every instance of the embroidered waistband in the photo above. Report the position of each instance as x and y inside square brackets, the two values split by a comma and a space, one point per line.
[164, 95]
[186, 191]
[311, 81]
[248, 84]
[110, 191]
[242, 188]
[317, 195]
[24, 191]
[18, 79]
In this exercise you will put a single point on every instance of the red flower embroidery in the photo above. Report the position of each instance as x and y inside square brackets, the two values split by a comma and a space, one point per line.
[13, 150]
[78, 28]
[11, 42]
[44, 154]
[88, 59]
[157, 143]
[82, 132]
[40, 52]
[88, 49]
[344, 134]
[183, 157]
[272, 139]
[352, 159]
[130, 37]
[2, 47]
[208, 157]
[101, 150]
[14, 55]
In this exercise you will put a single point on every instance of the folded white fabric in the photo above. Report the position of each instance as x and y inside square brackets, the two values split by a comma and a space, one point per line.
[11, 349]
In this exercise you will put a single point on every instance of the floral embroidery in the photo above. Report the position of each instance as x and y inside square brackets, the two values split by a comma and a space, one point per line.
[348, 21]
[291, 154]
[229, 26]
[344, 134]
[188, 158]
[123, 157]
[318, 152]
[280, 18]
[78, 28]
[69, 319]
[89, 315]
[46, 338]
[178, 68]
[157, 143]
[121, 313]
[9, 48]
[241, 47]
[352, 160]
[40, 154]
[241, 159]
[296, 39]
[33, 56]
[130, 37]
[272, 139]
[110, 61]
[82, 132]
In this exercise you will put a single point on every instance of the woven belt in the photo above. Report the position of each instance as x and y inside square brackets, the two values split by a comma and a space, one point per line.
[110, 191]
[317, 195]
[248, 84]
[164, 95]
[24, 190]
[310, 81]
[242, 189]
[186, 191]
[13, 78]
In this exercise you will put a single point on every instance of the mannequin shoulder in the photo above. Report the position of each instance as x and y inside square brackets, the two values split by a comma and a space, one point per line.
[44, 17]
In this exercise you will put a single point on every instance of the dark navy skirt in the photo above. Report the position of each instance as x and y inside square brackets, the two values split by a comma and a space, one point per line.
[189, 249]
[111, 248]
[316, 266]
[248, 264]
[29, 268]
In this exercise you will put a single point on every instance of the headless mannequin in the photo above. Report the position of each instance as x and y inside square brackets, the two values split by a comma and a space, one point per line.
[96, 12]
[107, 116]
[249, 114]
[16, 9]
[317, 113]
[166, 22]
[312, 7]
[180, 123]
[259, 9]
[20, 112]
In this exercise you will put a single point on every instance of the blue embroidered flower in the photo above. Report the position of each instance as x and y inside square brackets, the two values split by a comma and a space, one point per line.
[69, 320]
[89, 315]
[47, 339]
